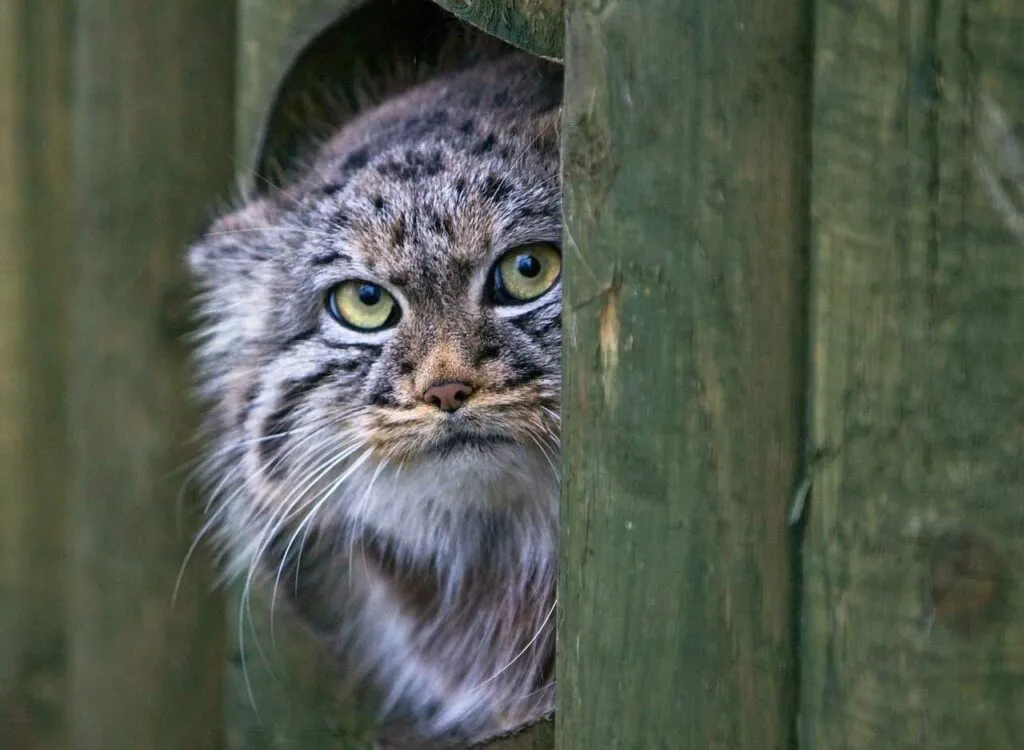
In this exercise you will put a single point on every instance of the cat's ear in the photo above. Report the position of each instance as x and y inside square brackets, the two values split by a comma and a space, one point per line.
[232, 244]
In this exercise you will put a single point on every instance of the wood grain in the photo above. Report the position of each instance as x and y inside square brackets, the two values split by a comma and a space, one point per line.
[684, 157]
[35, 231]
[272, 35]
[536, 26]
[914, 614]
[153, 100]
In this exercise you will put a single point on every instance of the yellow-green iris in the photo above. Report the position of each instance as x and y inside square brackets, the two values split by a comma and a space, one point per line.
[525, 273]
[362, 305]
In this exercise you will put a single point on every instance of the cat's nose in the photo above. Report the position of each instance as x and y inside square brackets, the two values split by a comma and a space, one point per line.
[448, 396]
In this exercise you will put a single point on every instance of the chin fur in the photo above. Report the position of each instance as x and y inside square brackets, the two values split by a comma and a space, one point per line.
[433, 580]
[457, 605]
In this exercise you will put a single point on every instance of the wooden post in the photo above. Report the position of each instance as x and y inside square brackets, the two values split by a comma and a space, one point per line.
[35, 207]
[536, 26]
[914, 612]
[272, 33]
[153, 102]
[684, 163]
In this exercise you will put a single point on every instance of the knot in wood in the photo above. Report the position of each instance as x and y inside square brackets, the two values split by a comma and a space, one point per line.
[966, 583]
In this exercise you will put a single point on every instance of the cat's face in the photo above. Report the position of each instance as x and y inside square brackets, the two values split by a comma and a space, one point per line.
[398, 310]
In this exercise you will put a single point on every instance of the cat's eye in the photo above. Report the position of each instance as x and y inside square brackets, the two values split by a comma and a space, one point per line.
[362, 305]
[525, 273]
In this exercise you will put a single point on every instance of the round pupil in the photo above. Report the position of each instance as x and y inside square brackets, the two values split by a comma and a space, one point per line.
[369, 294]
[528, 266]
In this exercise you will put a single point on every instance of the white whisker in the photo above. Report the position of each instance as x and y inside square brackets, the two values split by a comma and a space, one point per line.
[291, 505]
[518, 656]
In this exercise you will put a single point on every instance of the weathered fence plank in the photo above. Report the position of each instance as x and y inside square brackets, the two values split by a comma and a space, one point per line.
[153, 102]
[35, 205]
[306, 65]
[914, 615]
[684, 164]
[12, 261]
[536, 26]
[272, 33]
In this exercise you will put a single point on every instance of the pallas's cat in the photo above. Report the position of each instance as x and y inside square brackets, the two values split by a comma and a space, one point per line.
[379, 354]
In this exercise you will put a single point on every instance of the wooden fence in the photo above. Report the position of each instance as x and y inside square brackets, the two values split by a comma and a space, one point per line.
[793, 508]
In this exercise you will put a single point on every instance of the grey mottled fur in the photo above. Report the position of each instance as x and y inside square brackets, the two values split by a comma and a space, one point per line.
[428, 567]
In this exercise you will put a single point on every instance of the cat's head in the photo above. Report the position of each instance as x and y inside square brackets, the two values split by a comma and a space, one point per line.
[397, 309]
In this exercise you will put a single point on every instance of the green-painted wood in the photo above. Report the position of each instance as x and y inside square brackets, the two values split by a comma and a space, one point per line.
[540, 736]
[272, 33]
[323, 61]
[914, 612]
[684, 139]
[153, 102]
[12, 322]
[35, 205]
[536, 26]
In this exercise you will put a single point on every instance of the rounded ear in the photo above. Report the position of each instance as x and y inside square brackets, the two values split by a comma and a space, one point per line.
[232, 243]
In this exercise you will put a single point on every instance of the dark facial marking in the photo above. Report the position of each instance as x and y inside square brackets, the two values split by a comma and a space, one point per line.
[435, 223]
[398, 232]
[487, 353]
[524, 373]
[339, 221]
[461, 273]
[448, 226]
[330, 189]
[554, 324]
[303, 336]
[529, 325]
[372, 350]
[485, 146]
[383, 394]
[280, 420]
[417, 166]
[356, 160]
[353, 365]
[495, 189]
[327, 258]
[436, 118]
[248, 402]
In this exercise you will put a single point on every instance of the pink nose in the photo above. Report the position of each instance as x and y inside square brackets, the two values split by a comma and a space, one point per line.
[448, 396]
